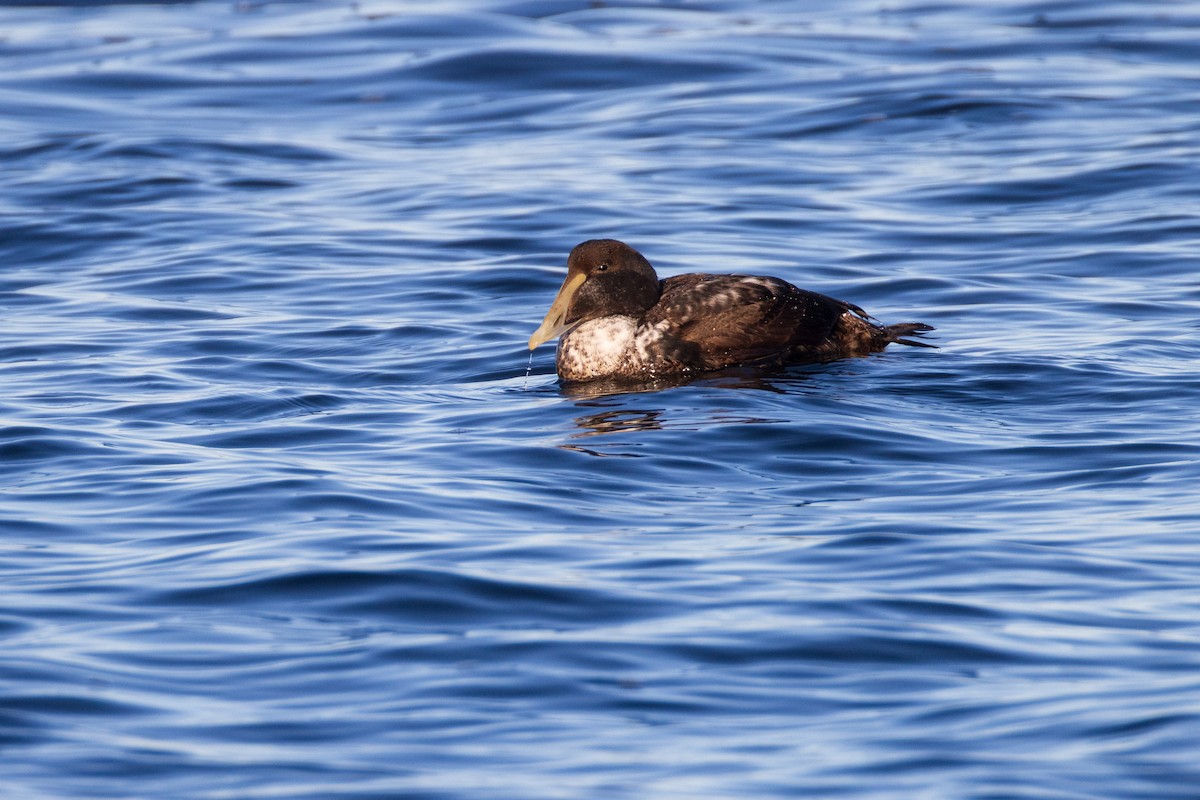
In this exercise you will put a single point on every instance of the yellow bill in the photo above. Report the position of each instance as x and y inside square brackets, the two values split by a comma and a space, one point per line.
[554, 324]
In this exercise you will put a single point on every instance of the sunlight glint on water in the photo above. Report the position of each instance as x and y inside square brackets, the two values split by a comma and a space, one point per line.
[285, 514]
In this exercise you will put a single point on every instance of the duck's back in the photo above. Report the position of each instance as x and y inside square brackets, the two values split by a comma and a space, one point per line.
[748, 319]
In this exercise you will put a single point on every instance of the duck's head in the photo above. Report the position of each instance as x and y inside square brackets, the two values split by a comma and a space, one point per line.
[604, 278]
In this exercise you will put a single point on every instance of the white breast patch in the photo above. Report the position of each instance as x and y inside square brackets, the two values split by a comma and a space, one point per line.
[595, 348]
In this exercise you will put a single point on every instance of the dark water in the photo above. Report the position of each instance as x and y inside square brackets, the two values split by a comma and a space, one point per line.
[284, 515]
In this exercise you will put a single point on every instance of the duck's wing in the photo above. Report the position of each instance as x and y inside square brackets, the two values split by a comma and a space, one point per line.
[744, 319]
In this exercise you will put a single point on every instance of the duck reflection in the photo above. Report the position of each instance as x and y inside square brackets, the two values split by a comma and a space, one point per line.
[618, 422]
[737, 378]
[607, 394]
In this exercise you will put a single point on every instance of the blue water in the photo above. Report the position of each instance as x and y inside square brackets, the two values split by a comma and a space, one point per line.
[287, 511]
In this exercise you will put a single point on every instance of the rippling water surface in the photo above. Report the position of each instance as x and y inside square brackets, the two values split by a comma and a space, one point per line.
[287, 511]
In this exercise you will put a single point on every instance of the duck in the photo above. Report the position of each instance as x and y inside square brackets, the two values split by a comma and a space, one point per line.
[616, 319]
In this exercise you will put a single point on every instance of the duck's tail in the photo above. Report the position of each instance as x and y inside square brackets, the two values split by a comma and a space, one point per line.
[897, 333]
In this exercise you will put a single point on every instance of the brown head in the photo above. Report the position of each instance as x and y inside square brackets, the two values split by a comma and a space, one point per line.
[604, 278]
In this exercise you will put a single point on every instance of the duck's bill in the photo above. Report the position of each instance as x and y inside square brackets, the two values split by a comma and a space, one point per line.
[554, 324]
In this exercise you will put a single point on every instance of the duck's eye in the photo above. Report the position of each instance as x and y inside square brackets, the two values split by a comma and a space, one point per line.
[601, 267]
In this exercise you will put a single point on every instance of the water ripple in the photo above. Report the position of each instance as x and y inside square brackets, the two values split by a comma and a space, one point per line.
[290, 509]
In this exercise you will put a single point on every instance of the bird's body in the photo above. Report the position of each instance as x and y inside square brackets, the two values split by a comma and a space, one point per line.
[616, 319]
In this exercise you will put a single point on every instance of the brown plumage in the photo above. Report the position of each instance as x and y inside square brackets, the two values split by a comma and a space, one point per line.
[616, 319]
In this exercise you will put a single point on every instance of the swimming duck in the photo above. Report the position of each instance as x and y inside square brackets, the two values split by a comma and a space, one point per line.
[616, 319]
